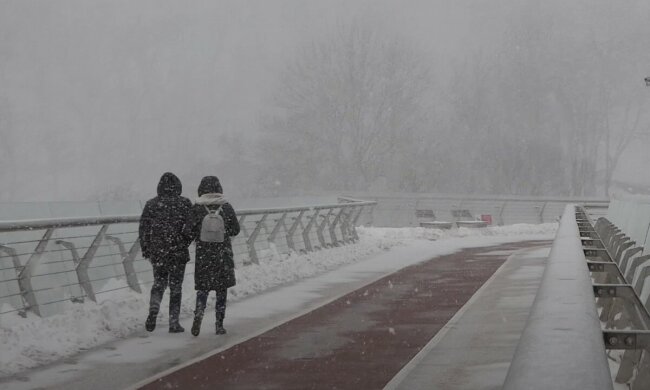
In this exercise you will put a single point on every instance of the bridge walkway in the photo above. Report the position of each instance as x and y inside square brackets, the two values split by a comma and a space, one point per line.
[363, 339]
[474, 350]
[356, 331]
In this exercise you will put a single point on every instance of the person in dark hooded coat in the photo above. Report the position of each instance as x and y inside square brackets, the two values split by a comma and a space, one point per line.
[163, 243]
[215, 263]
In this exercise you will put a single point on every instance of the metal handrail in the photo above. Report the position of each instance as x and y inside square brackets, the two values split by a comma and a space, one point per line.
[73, 253]
[399, 210]
[562, 345]
[510, 198]
[55, 223]
[620, 268]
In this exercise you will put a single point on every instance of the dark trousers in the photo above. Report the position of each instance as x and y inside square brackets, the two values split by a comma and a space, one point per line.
[163, 275]
[220, 307]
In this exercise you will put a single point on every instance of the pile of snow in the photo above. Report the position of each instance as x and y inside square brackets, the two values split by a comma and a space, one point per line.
[34, 341]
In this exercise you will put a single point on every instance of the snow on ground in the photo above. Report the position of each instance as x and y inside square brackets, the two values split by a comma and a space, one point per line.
[34, 341]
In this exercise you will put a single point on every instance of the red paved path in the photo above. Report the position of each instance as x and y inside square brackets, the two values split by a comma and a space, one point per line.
[359, 341]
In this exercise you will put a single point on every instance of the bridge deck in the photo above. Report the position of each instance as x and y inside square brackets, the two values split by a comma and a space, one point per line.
[353, 328]
[476, 347]
[363, 339]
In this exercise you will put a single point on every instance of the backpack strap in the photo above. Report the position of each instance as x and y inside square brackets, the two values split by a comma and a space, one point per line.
[210, 211]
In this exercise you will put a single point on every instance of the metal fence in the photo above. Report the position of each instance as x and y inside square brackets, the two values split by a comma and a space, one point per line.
[620, 266]
[399, 210]
[573, 323]
[47, 263]
[562, 345]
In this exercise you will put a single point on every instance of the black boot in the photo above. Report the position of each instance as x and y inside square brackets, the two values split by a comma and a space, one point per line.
[219, 329]
[175, 327]
[174, 313]
[196, 325]
[150, 324]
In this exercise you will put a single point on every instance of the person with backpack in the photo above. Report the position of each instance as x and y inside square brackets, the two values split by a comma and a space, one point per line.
[163, 243]
[210, 225]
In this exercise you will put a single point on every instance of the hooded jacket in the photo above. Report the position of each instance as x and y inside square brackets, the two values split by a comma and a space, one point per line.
[162, 221]
[215, 264]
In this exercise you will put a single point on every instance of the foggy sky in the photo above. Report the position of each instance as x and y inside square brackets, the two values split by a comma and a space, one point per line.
[96, 95]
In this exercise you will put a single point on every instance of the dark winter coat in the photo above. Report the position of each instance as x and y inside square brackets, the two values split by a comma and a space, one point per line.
[215, 263]
[162, 221]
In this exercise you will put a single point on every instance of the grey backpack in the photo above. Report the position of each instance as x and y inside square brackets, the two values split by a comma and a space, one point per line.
[212, 227]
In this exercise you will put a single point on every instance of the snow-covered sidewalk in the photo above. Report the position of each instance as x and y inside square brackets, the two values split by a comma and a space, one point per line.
[309, 281]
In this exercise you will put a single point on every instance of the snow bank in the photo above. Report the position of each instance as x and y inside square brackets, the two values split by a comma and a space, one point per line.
[34, 341]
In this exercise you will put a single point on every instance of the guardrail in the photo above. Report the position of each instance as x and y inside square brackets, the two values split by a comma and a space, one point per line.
[620, 271]
[399, 210]
[48, 262]
[562, 346]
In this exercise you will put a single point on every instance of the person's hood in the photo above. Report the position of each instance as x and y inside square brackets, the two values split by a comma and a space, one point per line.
[210, 199]
[210, 185]
[169, 185]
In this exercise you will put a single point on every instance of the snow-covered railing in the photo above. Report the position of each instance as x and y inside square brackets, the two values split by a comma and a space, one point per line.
[46, 262]
[562, 346]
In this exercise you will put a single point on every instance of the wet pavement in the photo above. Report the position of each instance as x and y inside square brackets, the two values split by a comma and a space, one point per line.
[474, 350]
[359, 341]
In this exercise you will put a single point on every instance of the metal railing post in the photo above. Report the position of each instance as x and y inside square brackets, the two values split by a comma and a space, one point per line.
[25, 277]
[292, 230]
[243, 226]
[127, 261]
[332, 228]
[11, 252]
[120, 247]
[503, 207]
[82, 267]
[129, 269]
[355, 222]
[628, 255]
[278, 223]
[73, 250]
[117, 241]
[541, 212]
[345, 224]
[250, 242]
[321, 227]
[307, 229]
[75, 260]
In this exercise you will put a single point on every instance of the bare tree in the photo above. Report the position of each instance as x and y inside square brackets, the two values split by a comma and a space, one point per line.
[622, 56]
[623, 124]
[552, 109]
[349, 109]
